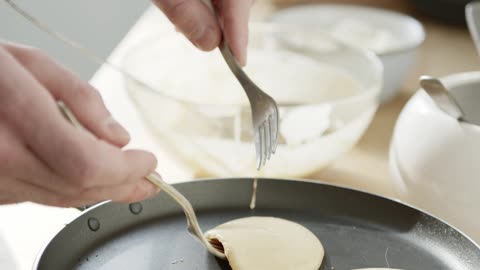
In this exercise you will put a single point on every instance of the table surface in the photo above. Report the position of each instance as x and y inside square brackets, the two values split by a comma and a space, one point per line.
[24, 228]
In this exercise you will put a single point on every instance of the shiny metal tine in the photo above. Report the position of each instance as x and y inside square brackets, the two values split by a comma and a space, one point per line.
[274, 130]
[265, 144]
[268, 137]
[258, 148]
[261, 129]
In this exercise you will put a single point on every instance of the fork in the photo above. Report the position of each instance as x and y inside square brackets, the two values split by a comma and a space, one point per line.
[264, 109]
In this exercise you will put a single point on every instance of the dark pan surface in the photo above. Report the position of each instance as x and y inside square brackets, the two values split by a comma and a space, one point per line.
[358, 230]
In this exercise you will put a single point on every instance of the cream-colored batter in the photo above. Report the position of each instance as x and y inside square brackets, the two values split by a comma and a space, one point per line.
[264, 243]
[253, 201]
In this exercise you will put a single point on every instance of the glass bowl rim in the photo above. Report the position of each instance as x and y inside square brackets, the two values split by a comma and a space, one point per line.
[372, 90]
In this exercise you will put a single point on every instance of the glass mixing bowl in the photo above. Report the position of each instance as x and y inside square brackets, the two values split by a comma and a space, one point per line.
[327, 94]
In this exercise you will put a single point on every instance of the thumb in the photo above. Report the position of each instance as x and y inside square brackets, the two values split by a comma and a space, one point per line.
[195, 20]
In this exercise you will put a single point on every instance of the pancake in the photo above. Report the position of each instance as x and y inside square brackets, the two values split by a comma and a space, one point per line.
[262, 243]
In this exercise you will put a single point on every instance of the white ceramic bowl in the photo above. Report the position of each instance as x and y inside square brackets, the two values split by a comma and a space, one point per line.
[393, 36]
[327, 97]
[435, 159]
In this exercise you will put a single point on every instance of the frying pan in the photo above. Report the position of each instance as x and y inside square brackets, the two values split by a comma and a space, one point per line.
[357, 229]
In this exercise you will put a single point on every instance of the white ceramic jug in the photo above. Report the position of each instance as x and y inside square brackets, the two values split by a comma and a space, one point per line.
[435, 159]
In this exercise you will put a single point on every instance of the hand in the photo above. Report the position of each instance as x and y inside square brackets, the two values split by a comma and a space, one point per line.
[200, 25]
[44, 158]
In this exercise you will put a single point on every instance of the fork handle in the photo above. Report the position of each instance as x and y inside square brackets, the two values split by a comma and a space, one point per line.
[238, 71]
[232, 61]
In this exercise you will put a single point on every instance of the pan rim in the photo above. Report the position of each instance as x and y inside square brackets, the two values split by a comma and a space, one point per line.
[310, 181]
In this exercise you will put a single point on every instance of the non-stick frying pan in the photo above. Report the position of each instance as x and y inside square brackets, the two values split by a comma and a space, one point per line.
[357, 229]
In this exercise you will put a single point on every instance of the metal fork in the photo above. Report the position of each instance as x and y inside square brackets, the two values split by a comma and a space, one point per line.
[264, 110]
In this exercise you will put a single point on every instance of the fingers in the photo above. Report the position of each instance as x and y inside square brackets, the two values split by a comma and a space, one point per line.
[16, 161]
[133, 191]
[84, 101]
[45, 159]
[13, 163]
[57, 193]
[90, 164]
[195, 20]
[41, 185]
[40, 182]
[21, 191]
[200, 25]
[31, 111]
[235, 15]
[73, 154]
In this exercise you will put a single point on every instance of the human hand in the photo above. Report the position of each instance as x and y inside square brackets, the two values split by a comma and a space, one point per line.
[201, 26]
[44, 158]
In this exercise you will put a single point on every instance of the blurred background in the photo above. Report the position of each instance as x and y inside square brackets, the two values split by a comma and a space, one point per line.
[100, 25]
[448, 11]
